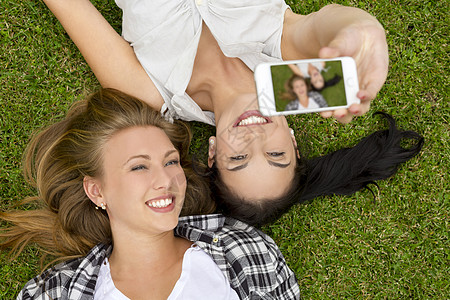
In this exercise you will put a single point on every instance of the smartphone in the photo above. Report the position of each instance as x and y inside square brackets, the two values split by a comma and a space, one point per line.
[304, 86]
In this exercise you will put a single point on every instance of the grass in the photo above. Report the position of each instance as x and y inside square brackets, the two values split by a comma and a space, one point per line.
[395, 247]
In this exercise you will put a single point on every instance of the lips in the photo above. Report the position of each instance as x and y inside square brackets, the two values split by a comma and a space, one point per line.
[251, 117]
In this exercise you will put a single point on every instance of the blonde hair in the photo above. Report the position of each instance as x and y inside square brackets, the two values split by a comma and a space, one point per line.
[65, 223]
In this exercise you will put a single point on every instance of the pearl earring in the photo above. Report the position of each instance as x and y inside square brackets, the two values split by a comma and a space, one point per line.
[102, 205]
[292, 131]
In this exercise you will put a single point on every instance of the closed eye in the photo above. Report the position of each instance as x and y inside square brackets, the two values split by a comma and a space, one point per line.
[238, 157]
[276, 154]
[138, 167]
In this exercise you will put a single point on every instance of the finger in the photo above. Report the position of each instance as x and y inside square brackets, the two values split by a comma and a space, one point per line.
[344, 119]
[329, 52]
[371, 88]
[363, 95]
[365, 101]
[326, 114]
[355, 109]
[373, 72]
[340, 113]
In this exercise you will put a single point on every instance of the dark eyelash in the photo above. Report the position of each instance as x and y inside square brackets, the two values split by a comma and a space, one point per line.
[139, 167]
[173, 162]
[276, 154]
[239, 157]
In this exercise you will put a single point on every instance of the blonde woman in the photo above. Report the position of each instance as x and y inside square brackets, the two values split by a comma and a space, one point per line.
[112, 179]
[301, 95]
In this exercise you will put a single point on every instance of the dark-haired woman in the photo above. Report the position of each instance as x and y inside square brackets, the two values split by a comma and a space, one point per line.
[194, 60]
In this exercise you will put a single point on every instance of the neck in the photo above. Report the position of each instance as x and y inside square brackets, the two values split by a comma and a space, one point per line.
[303, 99]
[217, 80]
[134, 253]
[142, 264]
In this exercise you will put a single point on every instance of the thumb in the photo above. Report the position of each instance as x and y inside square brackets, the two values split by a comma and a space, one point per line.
[329, 52]
[346, 43]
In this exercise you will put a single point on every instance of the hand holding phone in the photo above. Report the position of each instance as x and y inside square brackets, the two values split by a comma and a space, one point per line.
[303, 86]
[367, 44]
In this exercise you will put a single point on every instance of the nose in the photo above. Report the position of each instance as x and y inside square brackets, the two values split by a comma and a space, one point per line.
[161, 179]
[252, 133]
[251, 136]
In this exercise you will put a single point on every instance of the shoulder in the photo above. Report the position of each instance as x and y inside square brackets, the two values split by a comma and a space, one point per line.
[72, 277]
[248, 241]
[314, 94]
[51, 282]
[249, 258]
[293, 105]
[318, 98]
[216, 229]
[255, 262]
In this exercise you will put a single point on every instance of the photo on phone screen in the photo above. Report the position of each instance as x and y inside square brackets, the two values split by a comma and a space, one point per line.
[310, 85]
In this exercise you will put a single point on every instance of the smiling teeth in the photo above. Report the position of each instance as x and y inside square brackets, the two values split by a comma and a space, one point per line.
[160, 203]
[252, 120]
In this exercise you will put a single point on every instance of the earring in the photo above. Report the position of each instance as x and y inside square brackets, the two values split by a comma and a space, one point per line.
[292, 131]
[102, 205]
[211, 142]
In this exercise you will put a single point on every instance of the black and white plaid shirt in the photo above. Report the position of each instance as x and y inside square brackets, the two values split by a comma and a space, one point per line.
[249, 259]
[316, 96]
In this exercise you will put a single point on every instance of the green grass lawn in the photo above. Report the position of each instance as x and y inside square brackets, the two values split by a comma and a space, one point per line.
[393, 247]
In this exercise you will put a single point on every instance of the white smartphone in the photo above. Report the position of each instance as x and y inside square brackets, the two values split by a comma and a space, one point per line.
[304, 86]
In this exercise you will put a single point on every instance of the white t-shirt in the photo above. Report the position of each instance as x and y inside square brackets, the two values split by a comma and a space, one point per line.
[200, 279]
[311, 104]
[304, 68]
[165, 36]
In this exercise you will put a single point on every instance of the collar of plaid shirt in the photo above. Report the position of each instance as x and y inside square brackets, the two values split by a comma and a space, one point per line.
[249, 259]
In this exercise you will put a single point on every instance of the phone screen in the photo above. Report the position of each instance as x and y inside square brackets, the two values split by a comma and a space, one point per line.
[308, 85]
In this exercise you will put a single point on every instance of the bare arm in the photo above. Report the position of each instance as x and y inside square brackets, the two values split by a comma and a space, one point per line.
[110, 57]
[296, 70]
[341, 31]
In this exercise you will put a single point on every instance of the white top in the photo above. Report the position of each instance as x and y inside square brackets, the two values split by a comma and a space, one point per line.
[165, 36]
[311, 104]
[200, 279]
[304, 67]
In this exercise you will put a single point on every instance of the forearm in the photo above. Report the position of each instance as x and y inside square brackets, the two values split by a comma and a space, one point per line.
[296, 70]
[110, 57]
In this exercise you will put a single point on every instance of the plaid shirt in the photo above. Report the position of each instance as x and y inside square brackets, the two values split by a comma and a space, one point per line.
[316, 96]
[249, 259]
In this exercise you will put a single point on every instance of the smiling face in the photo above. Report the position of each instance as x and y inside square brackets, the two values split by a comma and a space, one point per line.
[142, 183]
[255, 155]
[300, 88]
[317, 80]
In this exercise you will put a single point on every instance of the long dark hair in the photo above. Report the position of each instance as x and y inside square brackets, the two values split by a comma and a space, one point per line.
[342, 172]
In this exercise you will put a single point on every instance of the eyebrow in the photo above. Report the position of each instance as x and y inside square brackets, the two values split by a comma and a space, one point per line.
[147, 157]
[272, 163]
[275, 164]
[238, 167]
